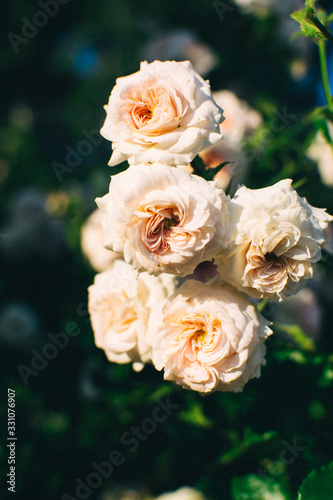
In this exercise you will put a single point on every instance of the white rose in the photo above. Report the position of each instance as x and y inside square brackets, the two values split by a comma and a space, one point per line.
[322, 152]
[212, 338]
[120, 305]
[92, 243]
[275, 237]
[163, 113]
[240, 121]
[240, 118]
[163, 219]
[181, 44]
[184, 493]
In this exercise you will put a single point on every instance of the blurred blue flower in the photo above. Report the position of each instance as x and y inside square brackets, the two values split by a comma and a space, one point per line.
[86, 61]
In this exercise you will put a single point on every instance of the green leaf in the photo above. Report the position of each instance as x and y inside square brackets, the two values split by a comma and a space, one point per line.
[261, 305]
[310, 3]
[305, 19]
[322, 126]
[298, 335]
[194, 415]
[255, 487]
[200, 168]
[318, 485]
[250, 440]
[298, 184]
[293, 355]
[326, 379]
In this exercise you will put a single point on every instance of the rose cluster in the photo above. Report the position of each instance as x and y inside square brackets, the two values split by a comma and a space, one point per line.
[160, 222]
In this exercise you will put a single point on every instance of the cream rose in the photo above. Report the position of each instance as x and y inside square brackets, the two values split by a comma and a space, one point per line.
[92, 243]
[275, 237]
[212, 338]
[163, 113]
[163, 219]
[120, 304]
[240, 119]
[322, 152]
[184, 493]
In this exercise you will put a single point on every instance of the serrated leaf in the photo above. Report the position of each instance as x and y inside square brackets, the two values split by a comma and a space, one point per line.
[254, 487]
[301, 15]
[318, 485]
[305, 19]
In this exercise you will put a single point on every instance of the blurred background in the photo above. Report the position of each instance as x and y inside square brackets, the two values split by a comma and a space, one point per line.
[59, 62]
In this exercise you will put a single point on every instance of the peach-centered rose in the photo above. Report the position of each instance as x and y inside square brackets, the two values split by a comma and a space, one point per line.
[121, 302]
[212, 338]
[163, 219]
[154, 109]
[275, 237]
[163, 113]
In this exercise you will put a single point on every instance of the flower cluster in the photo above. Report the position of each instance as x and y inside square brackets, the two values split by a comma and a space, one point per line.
[163, 221]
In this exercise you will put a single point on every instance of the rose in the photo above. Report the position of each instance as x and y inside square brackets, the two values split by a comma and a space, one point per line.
[184, 493]
[163, 113]
[92, 243]
[275, 238]
[322, 152]
[120, 305]
[181, 45]
[212, 338]
[163, 219]
[240, 121]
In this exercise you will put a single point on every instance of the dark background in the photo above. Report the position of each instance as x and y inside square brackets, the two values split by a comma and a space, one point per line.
[74, 410]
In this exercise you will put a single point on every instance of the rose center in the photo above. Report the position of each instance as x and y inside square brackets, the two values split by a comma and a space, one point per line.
[200, 335]
[271, 257]
[144, 113]
[173, 221]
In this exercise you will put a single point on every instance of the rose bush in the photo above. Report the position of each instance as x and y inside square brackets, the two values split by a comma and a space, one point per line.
[212, 338]
[163, 113]
[163, 219]
[120, 305]
[275, 237]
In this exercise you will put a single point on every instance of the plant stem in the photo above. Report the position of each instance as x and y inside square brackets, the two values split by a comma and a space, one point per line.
[324, 75]
[325, 32]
